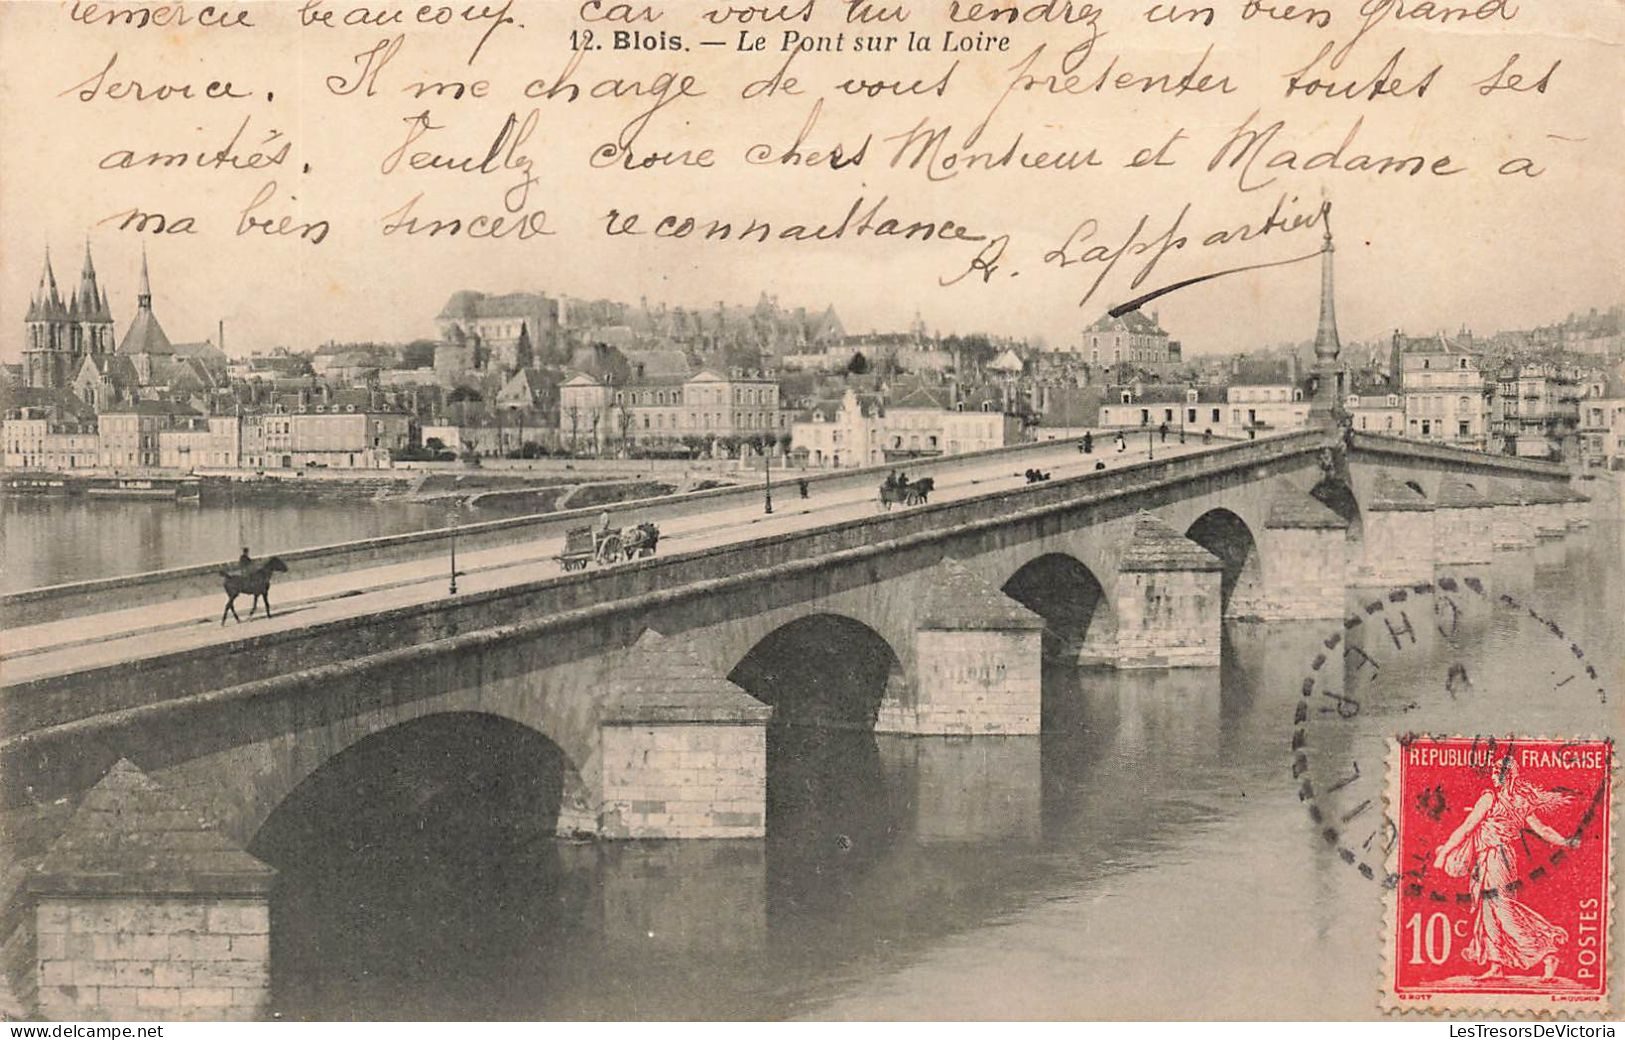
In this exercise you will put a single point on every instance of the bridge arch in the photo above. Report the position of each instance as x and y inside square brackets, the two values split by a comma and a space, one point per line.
[1227, 536]
[1073, 602]
[410, 772]
[418, 854]
[822, 669]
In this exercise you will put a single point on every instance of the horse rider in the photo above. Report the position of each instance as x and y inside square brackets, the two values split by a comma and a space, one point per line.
[245, 563]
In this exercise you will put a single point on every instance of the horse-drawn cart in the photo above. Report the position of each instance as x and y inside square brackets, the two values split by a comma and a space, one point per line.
[584, 545]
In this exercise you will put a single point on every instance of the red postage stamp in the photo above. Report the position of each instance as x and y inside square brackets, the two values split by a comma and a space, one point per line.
[1501, 874]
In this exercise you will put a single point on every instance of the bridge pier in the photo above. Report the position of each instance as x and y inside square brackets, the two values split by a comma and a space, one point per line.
[1399, 538]
[1547, 505]
[1513, 524]
[1168, 598]
[1576, 511]
[1307, 560]
[978, 657]
[142, 912]
[683, 751]
[1463, 525]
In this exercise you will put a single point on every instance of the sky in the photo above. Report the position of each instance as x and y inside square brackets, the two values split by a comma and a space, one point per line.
[1475, 249]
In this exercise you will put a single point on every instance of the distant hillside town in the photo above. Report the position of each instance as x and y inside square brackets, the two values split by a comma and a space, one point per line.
[528, 375]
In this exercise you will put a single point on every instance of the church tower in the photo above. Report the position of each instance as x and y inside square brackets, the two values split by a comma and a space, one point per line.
[49, 333]
[93, 332]
[1326, 407]
[61, 331]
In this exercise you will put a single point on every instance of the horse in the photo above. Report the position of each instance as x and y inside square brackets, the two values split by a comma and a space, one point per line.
[916, 493]
[257, 582]
[640, 541]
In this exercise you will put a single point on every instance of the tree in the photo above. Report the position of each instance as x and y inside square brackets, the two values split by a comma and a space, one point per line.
[859, 365]
[418, 354]
[464, 393]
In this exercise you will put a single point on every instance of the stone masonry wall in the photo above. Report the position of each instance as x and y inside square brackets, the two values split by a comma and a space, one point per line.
[972, 681]
[1512, 527]
[1307, 574]
[147, 958]
[1398, 547]
[1463, 535]
[1168, 619]
[684, 780]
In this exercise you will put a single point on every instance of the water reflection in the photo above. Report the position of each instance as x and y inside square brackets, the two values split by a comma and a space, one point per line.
[49, 540]
[1154, 831]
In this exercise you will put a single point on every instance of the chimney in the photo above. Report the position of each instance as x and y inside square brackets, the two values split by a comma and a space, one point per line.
[220, 335]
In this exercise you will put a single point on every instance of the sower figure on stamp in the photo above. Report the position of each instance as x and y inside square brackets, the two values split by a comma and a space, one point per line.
[1506, 933]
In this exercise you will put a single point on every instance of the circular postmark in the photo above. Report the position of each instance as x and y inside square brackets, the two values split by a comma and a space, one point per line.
[1433, 664]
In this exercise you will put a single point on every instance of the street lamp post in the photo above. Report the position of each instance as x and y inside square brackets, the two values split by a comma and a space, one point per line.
[1150, 444]
[454, 518]
[767, 488]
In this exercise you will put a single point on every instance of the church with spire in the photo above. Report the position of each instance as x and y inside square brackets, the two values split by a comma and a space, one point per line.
[69, 346]
[62, 331]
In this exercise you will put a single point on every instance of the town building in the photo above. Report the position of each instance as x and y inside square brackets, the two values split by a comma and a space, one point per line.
[1602, 424]
[199, 442]
[37, 439]
[862, 430]
[501, 332]
[1535, 412]
[1445, 396]
[1376, 406]
[1132, 338]
[129, 433]
[1201, 409]
[595, 413]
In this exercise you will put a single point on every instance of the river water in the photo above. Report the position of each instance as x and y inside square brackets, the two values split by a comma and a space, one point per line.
[47, 540]
[1147, 857]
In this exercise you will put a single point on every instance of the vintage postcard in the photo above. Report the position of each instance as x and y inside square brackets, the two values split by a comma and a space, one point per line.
[818, 509]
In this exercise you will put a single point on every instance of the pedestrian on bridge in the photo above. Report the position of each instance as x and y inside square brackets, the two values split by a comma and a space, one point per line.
[1122, 442]
[1162, 433]
[801, 486]
[1088, 442]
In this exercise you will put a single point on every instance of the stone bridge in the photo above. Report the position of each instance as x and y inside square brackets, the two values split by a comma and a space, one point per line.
[640, 695]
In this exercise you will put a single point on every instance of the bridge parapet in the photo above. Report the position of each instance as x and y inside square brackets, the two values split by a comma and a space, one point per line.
[74, 599]
[257, 666]
[1403, 450]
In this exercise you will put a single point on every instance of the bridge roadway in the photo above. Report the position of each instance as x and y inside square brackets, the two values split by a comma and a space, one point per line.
[80, 643]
